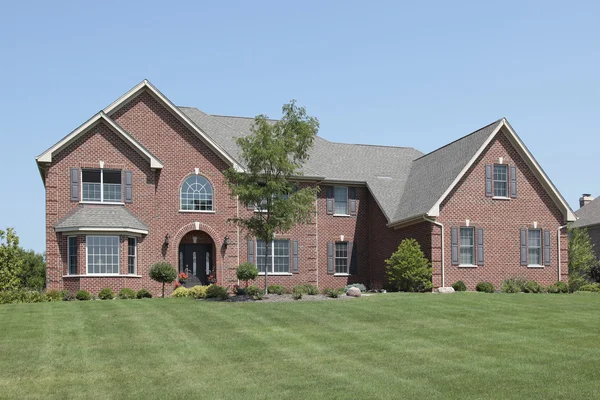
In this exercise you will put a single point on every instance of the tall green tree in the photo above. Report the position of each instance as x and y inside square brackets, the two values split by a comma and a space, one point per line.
[273, 154]
[408, 269]
[11, 260]
[33, 273]
[582, 259]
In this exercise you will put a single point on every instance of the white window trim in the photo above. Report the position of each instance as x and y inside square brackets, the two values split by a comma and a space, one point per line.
[472, 228]
[335, 257]
[273, 258]
[347, 202]
[69, 256]
[467, 266]
[500, 198]
[541, 248]
[340, 274]
[198, 211]
[342, 215]
[535, 266]
[212, 188]
[101, 187]
[494, 181]
[135, 255]
[103, 274]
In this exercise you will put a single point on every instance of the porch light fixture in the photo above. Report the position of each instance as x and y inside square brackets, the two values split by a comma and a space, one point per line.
[226, 241]
[167, 239]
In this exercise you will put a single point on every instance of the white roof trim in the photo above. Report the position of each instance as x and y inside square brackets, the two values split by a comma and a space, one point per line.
[146, 85]
[101, 116]
[111, 230]
[535, 167]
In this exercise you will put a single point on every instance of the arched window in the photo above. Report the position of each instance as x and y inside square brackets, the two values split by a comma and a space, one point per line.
[196, 194]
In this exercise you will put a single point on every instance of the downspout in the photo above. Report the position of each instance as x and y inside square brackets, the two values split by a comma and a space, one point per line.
[442, 226]
[560, 228]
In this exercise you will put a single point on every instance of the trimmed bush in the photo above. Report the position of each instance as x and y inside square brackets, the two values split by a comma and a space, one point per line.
[198, 292]
[83, 295]
[408, 269]
[485, 287]
[362, 287]
[67, 295]
[143, 294]
[276, 289]
[307, 288]
[163, 272]
[532, 287]
[562, 287]
[238, 290]
[216, 292]
[246, 272]
[513, 285]
[253, 290]
[590, 287]
[127, 294]
[106, 294]
[459, 286]
[296, 295]
[54, 295]
[181, 292]
[334, 293]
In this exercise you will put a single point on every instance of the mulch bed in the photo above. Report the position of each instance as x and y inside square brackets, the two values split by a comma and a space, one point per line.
[271, 298]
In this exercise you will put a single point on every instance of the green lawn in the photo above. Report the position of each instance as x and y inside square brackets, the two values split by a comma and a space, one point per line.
[466, 345]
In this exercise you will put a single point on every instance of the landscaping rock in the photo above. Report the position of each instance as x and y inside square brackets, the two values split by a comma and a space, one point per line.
[446, 290]
[354, 292]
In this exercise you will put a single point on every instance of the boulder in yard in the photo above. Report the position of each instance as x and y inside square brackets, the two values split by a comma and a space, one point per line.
[446, 290]
[354, 292]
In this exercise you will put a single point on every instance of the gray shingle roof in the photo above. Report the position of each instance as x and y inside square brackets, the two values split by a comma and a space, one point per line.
[588, 215]
[100, 216]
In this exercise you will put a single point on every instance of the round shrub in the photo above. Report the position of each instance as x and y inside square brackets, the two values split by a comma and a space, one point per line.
[83, 295]
[216, 292]
[67, 295]
[246, 272]
[590, 287]
[54, 295]
[296, 295]
[532, 287]
[408, 269]
[106, 294]
[562, 287]
[459, 286]
[181, 292]
[143, 294]
[485, 287]
[127, 294]
[198, 292]
[276, 289]
[334, 293]
[512, 285]
[253, 291]
[163, 272]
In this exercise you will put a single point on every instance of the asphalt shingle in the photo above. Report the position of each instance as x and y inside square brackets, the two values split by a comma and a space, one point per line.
[100, 216]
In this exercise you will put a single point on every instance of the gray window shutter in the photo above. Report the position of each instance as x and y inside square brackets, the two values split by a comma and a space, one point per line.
[547, 248]
[524, 247]
[353, 260]
[295, 257]
[352, 200]
[74, 184]
[329, 192]
[251, 252]
[128, 187]
[489, 190]
[454, 245]
[330, 266]
[480, 251]
[513, 181]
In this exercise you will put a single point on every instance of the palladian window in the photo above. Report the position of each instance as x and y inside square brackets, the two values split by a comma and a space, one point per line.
[196, 194]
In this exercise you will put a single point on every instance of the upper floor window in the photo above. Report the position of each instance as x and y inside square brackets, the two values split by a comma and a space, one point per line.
[340, 195]
[500, 180]
[103, 185]
[534, 244]
[196, 194]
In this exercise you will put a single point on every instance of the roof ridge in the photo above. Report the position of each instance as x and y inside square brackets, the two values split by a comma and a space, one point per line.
[459, 139]
[373, 145]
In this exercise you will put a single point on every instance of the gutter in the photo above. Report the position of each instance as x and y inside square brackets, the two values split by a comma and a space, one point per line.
[560, 228]
[443, 258]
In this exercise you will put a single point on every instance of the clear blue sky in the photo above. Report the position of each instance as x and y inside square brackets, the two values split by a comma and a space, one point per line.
[417, 75]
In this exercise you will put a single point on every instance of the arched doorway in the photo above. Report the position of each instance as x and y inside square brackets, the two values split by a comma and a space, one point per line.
[196, 257]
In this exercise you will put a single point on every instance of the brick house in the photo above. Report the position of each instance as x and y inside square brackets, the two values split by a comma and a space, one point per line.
[142, 181]
[588, 217]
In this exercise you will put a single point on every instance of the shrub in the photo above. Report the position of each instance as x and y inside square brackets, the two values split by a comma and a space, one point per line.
[198, 292]
[83, 295]
[67, 295]
[532, 287]
[181, 292]
[163, 272]
[143, 294]
[127, 294]
[513, 285]
[54, 295]
[259, 296]
[216, 292]
[485, 287]
[276, 289]
[590, 287]
[21, 296]
[408, 269]
[253, 291]
[334, 293]
[307, 288]
[459, 286]
[362, 287]
[238, 290]
[296, 295]
[246, 272]
[562, 287]
[106, 294]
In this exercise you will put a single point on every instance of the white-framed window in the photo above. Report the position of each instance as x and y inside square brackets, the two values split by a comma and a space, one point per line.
[278, 259]
[341, 258]
[196, 194]
[131, 255]
[72, 254]
[102, 255]
[467, 246]
[500, 180]
[534, 244]
[101, 185]
[340, 195]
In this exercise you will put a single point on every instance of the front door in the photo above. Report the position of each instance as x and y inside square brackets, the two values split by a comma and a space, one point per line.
[195, 260]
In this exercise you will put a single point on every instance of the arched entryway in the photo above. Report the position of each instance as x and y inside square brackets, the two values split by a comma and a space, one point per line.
[197, 258]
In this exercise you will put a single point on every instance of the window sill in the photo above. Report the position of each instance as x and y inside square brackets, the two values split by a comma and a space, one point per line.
[467, 266]
[110, 203]
[103, 276]
[342, 215]
[276, 274]
[535, 266]
[198, 211]
[338, 274]
[500, 198]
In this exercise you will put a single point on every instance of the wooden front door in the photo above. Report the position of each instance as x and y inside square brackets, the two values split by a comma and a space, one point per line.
[195, 260]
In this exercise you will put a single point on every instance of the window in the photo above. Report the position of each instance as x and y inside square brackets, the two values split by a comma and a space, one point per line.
[102, 254]
[341, 200]
[500, 180]
[341, 257]
[278, 259]
[534, 243]
[196, 194]
[467, 246]
[131, 255]
[72, 254]
[102, 185]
